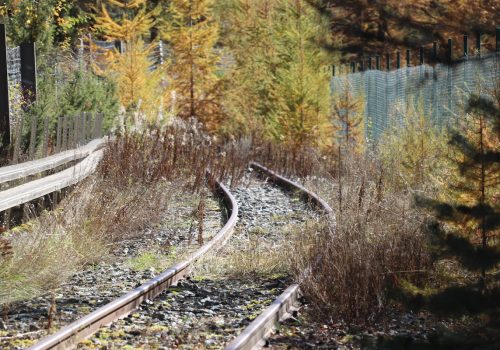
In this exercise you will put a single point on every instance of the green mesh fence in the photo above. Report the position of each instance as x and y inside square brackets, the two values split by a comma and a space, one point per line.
[437, 91]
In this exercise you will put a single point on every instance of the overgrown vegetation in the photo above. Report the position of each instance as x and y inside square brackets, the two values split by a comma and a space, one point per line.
[348, 265]
[129, 191]
[249, 79]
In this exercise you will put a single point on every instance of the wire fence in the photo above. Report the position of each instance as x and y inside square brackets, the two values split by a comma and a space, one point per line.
[14, 65]
[439, 92]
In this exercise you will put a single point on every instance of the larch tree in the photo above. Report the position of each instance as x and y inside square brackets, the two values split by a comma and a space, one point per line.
[413, 150]
[192, 34]
[251, 39]
[467, 222]
[302, 83]
[130, 22]
[348, 120]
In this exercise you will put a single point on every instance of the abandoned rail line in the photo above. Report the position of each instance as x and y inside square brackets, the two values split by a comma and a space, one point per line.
[252, 329]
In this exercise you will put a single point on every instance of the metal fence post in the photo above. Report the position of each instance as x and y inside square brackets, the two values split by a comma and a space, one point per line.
[478, 43]
[45, 146]
[466, 46]
[377, 62]
[421, 55]
[33, 132]
[28, 71]
[4, 93]
[450, 50]
[498, 39]
[398, 59]
[408, 58]
[388, 62]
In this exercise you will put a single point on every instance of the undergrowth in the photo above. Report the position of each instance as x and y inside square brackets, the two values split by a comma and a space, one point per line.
[348, 266]
[135, 181]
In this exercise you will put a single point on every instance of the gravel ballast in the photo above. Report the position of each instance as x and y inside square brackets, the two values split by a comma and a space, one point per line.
[130, 264]
[214, 305]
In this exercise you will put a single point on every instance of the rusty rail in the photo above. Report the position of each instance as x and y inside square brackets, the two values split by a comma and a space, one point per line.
[69, 336]
[254, 335]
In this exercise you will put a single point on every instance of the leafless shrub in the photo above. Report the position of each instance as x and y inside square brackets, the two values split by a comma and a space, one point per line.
[348, 267]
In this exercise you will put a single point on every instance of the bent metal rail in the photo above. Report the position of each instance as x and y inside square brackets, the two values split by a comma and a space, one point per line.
[259, 329]
[69, 336]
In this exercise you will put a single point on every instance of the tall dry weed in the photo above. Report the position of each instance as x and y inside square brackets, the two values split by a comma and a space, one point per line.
[133, 184]
[348, 266]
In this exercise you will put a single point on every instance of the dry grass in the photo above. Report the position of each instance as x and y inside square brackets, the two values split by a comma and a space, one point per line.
[348, 267]
[249, 254]
[132, 186]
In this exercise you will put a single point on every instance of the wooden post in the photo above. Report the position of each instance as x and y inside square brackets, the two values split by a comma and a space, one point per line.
[4, 94]
[370, 62]
[333, 70]
[408, 58]
[33, 133]
[388, 62]
[377, 62]
[398, 59]
[421, 55]
[434, 51]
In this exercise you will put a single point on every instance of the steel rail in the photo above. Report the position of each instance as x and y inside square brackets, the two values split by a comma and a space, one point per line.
[18, 171]
[69, 336]
[48, 184]
[306, 194]
[255, 333]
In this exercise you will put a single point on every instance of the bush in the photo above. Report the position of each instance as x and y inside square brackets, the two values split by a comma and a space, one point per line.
[348, 267]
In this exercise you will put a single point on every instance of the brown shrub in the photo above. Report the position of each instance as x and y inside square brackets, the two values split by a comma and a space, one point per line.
[347, 266]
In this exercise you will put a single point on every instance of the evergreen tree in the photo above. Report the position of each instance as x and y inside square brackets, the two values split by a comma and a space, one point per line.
[192, 34]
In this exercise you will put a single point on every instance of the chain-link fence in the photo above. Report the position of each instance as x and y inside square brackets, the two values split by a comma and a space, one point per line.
[437, 91]
[14, 78]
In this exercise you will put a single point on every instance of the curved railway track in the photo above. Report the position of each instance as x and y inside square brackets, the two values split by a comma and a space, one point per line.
[255, 334]
[69, 336]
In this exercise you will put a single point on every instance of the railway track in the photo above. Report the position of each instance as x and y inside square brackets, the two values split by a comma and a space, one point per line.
[225, 292]
[206, 295]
